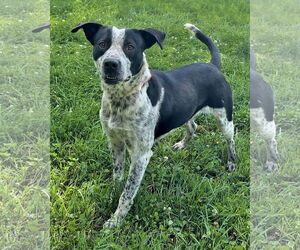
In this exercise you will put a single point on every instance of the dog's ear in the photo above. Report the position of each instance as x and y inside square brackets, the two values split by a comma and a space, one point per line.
[152, 36]
[90, 30]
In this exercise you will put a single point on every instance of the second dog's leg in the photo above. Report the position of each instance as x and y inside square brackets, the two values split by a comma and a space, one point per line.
[191, 127]
[227, 128]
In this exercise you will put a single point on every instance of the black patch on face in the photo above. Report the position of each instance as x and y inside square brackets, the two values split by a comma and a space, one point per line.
[134, 40]
[103, 40]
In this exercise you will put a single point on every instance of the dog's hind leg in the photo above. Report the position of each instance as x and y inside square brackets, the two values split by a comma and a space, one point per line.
[227, 128]
[267, 129]
[272, 153]
[191, 127]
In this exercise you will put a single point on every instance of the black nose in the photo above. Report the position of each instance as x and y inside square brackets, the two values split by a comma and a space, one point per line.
[111, 64]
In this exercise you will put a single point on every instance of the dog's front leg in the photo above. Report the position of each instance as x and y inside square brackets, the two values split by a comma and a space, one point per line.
[118, 154]
[136, 173]
[140, 157]
[118, 151]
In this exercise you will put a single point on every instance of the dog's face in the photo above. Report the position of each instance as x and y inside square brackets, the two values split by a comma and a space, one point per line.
[118, 53]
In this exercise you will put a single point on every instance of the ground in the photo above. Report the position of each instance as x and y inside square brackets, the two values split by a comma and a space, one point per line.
[24, 125]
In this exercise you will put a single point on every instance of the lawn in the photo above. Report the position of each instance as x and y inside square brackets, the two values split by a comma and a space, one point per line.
[186, 197]
[275, 213]
[24, 125]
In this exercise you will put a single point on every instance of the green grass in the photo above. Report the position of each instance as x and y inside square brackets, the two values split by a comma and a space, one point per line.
[274, 203]
[24, 126]
[186, 198]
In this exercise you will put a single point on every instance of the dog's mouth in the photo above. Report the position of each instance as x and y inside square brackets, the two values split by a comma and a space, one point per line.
[111, 79]
[114, 79]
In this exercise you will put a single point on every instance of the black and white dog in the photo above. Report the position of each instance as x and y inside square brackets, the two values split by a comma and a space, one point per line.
[262, 112]
[140, 105]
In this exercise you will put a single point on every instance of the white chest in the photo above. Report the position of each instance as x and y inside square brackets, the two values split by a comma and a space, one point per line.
[129, 113]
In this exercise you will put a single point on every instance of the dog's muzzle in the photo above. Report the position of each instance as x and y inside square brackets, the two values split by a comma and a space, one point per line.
[111, 69]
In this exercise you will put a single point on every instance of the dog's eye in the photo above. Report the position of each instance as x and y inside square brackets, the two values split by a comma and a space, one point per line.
[102, 45]
[129, 47]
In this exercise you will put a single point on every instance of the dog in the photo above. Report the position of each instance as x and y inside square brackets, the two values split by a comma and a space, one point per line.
[262, 113]
[140, 105]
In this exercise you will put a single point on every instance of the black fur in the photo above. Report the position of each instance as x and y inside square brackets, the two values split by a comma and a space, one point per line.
[261, 93]
[187, 90]
[90, 29]
[140, 40]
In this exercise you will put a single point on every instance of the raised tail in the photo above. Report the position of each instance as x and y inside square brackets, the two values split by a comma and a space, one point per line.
[215, 55]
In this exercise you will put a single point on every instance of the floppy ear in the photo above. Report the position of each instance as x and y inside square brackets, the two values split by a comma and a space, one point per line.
[90, 29]
[152, 36]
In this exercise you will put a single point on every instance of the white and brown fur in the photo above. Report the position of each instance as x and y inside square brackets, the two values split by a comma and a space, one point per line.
[140, 105]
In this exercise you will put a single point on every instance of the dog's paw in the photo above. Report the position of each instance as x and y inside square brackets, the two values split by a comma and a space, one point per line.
[271, 166]
[230, 166]
[179, 145]
[111, 223]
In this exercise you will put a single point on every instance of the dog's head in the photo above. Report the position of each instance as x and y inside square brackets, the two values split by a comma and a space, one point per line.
[118, 53]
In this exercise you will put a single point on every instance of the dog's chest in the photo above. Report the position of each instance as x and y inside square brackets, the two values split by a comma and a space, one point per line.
[132, 112]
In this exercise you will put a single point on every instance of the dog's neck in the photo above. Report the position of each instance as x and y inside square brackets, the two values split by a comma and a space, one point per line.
[128, 88]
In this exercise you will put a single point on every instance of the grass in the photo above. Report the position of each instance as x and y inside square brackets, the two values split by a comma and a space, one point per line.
[274, 206]
[24, 126]
[186, 198]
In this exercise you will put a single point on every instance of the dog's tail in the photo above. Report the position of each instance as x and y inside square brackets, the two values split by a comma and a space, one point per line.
[215, 55]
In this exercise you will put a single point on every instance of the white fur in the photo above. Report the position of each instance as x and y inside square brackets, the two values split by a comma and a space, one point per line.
[136, 134]
[129, 119]
[258, 121]
[192, 28]
[267, 129]
[226, 127]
